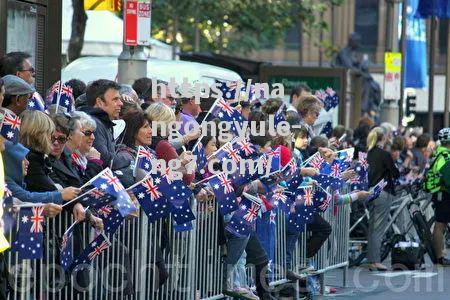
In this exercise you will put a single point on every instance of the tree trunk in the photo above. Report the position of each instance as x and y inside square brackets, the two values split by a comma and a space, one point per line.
[174, 34]
[79, 19]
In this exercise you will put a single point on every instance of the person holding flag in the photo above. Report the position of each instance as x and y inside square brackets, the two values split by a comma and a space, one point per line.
[381, 166]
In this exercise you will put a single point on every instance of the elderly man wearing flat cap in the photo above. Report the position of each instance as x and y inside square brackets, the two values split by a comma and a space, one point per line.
[17, 93]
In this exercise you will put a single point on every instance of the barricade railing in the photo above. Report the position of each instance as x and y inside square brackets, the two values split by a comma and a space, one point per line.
[193, 259]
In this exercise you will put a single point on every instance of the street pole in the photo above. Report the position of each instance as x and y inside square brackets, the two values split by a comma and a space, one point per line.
[403, 51]
[447, 80]
[389, 107]
[431, 74]
[132, 64]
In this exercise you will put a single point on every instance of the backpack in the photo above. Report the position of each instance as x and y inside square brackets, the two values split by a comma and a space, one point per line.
[432, 183]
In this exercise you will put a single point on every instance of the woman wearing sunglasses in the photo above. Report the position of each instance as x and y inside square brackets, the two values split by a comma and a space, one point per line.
[84, 156]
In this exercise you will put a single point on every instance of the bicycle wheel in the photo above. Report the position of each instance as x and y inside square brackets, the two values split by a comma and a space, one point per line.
[387, 243]
[357, 248]
[423, 230]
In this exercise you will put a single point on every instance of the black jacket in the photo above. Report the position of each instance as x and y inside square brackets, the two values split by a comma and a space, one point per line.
[381, 165]
[38, 179]
[63, 171]
[104, 138]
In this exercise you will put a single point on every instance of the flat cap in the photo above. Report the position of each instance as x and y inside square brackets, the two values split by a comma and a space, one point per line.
[17, 86]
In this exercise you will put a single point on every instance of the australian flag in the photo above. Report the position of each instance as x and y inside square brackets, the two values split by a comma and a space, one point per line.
[248, 174]
[96, 198]
[244, 218]
[282, 201]
[10, 127]
[230, 91]
[279, 116]
[376, 190]
[9, 221]
[228, 152]
[91, 252]
[300, 216]
[327, 129]
[66, 248]
[244, 147]
[226, 113]
[224, 192]
[30, 236]
[360, 181]
[36, 102]
[266, 232]
[154, 204]
[429, 8]
[144, 158]
[199, 153]
[329, 98]
[62, 97]
[111, 216]
[107, 182]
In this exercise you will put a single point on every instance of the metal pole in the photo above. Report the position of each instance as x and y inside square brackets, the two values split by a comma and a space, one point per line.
[431, 73]
[403, 50]
[447, 79]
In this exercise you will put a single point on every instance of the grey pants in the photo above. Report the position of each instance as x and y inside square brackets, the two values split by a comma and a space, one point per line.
[379, 216]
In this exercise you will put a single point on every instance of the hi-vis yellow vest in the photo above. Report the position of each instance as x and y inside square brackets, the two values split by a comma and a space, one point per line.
[3, 242]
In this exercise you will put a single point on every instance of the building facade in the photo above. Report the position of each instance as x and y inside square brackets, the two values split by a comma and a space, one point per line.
[34, 26]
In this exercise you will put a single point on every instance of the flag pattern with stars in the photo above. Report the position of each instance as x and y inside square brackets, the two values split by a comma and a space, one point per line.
[144, 158]
[107, 182]
[154, 207]
[199, 153]
[245, 148]
[376, 190]
[10, 126]
[329, 98]
[230, 115]
[30, 236]
[279, 115]
[326, 181]
[179, 196]
[111, 216]
[360, 181]
[243, 219]
[230, 91]
[225, 195]
[299, 217]
[282, 201]
[327, 129]
[66, 248]
[91, 252]
[63, 98]
[36, 102]
[9, 220]
[317, 161]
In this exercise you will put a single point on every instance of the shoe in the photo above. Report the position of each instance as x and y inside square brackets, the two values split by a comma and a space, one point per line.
[292, 276]
[249, 295]
[377, 267]
[444, 262]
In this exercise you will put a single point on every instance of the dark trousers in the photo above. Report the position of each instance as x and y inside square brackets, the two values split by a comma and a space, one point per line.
[320, 230]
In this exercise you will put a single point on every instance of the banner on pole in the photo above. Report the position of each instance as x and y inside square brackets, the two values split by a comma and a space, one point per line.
[137, 16]
[392, 75]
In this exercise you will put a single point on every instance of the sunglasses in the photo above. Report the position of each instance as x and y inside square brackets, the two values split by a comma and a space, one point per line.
[88, 132]
[61, 139]
[31, 70]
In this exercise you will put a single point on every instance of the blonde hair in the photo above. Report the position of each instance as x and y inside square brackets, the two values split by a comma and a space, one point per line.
[36, 130]
[162, 115]
[375, 136]
[308, 103]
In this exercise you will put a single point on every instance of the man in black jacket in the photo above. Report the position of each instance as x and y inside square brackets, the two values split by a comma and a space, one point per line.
[104, 104]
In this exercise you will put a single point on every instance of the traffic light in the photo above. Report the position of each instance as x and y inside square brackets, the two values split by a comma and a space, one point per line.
[410, 104]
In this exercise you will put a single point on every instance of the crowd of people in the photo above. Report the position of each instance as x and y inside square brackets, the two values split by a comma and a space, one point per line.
[58, 151]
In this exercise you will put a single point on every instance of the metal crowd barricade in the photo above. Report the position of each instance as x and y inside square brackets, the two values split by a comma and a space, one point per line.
[126, 270]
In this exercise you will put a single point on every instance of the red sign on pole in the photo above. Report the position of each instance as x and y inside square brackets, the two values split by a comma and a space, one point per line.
[131, 20]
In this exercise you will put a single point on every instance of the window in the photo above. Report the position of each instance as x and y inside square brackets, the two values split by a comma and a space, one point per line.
[366, 24]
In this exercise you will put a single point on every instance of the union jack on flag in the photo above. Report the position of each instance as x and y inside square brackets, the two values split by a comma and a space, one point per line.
[226, 183]
[363, 160]
[226, 107]
[10, 126]
[105, 210]
[98, 250]
[246, 147]
[252, 213]
[317, 161]
[308, 196]
[151, 189]
[37, 219]
[336, 170]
